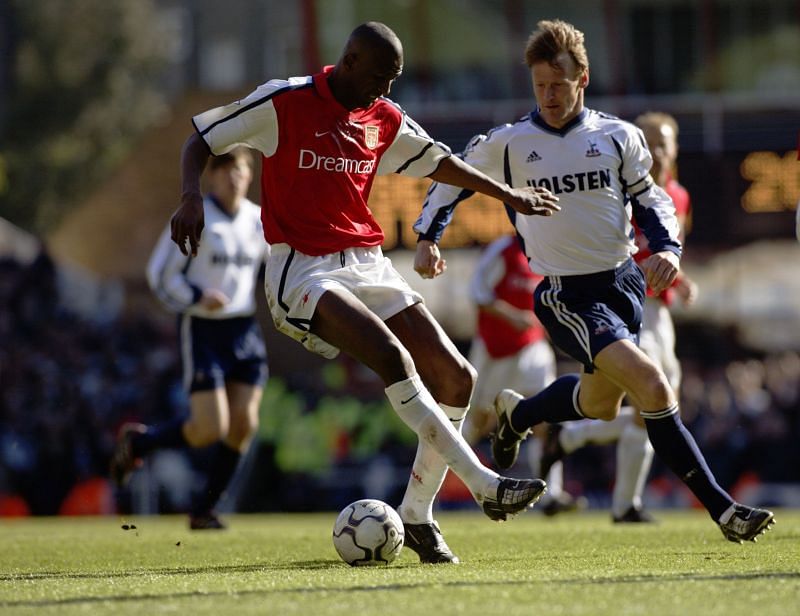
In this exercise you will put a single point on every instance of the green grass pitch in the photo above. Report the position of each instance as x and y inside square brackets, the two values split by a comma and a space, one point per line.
[286, 564]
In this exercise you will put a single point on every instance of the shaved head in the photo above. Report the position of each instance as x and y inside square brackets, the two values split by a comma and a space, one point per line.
[371, 60]
[377, 37]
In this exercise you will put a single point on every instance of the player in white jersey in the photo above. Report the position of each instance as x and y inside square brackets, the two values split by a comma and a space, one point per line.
[797, 220]
[657, 340]
[323, 139]
[222, 347]
[591, 298]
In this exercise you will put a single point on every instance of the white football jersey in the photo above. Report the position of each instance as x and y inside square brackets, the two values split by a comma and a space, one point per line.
[597, 165]
[230, 254]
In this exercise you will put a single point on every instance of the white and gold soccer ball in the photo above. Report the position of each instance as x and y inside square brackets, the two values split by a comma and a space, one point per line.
[368, 532]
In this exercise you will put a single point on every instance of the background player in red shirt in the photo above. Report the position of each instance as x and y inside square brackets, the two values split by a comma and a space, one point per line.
[510, 345]
[511, 349]
[323, 139]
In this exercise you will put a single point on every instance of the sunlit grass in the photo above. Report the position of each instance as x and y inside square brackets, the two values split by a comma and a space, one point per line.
[286, 564]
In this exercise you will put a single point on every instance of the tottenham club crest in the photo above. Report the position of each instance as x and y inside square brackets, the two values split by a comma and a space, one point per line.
[371, 136]
[592, 151]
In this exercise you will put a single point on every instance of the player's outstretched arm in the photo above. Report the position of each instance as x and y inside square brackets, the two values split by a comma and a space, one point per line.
[187, 223]
[528, 201]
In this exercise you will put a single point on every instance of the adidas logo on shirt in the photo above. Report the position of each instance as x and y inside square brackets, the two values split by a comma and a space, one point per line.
[533, 157]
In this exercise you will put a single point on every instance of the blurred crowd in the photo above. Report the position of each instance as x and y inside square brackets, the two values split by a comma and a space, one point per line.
[67, 381]
[744, 413]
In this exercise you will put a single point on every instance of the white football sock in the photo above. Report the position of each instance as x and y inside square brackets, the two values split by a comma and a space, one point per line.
[634, 458]
[427, 475]
[417, 408]
[555, 477]
[555, 480]
[533, 452]
[577, 434]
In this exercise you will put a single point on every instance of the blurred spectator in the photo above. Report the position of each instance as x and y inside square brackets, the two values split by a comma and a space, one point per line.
[65, 385]
[797, 220]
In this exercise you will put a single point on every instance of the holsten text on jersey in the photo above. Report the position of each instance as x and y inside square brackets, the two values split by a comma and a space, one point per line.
[584, 180]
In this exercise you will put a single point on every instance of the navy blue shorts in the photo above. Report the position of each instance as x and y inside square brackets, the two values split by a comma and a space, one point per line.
[585, 313]
[216, 351]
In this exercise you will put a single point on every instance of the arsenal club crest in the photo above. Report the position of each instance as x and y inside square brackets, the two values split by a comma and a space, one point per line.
[371, 136]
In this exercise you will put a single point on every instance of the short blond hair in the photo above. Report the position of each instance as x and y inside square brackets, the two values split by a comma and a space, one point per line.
[551, 38]
[656, 119]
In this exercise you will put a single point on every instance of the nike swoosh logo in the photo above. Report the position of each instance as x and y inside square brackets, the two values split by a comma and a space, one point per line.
[319, 134]
[410, 399]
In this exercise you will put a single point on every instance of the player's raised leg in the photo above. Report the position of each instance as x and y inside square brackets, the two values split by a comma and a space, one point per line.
[343, 321]
[626, 365]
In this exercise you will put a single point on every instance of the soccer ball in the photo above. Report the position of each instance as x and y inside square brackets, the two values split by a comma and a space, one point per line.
[368, 532]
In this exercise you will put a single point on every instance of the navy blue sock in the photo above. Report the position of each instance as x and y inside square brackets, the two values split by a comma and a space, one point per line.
[553, 404]
[223, 465]
[676, 447]
[167, 435]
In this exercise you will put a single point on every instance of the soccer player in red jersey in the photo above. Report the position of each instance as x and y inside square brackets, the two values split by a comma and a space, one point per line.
[323, 139]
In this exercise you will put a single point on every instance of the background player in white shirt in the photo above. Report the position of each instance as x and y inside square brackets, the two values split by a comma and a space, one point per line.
[591, 298]
[222, 348]
[797, 222]
[323, 139]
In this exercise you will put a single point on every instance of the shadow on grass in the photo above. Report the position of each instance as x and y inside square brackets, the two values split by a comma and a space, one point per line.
[327, 564]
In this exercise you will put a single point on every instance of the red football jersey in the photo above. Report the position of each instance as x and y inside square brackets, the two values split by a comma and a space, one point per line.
[320, 159]
[516, 286]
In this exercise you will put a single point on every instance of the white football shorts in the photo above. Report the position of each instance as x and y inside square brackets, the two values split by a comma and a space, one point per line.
[657, 339]
[294, 282]
[528, 371]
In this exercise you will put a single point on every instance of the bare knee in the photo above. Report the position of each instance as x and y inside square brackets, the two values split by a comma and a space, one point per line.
[243, 426]
[453, 382]
[393, 363]
[205, 433]
[604, 406]
[655, 393]
[462, 383]
[607, 412]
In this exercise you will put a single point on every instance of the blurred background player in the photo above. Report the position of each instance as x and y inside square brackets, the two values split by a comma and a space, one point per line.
[797, 220]
[324, 138]
[510, 349]
[591, 299]
[222, 347]
[656, 339]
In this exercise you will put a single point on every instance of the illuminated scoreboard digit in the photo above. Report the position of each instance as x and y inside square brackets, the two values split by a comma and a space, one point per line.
[775, 182]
